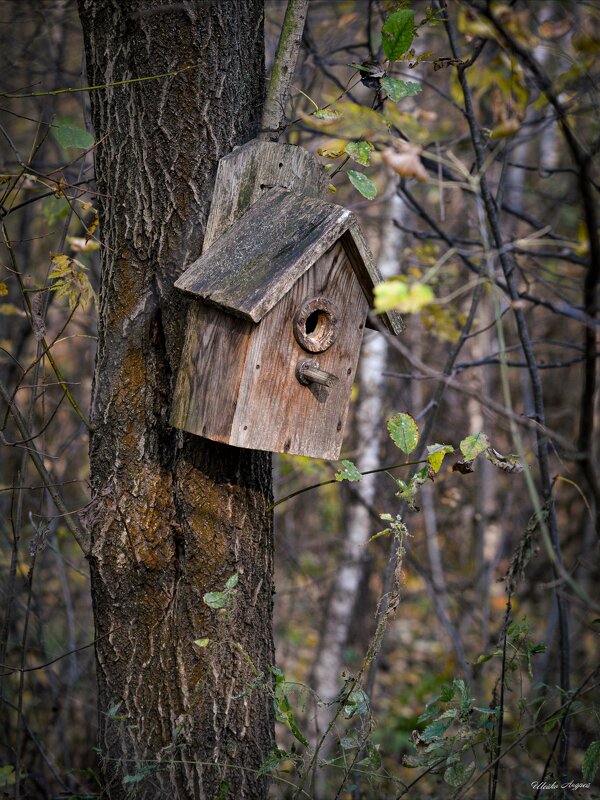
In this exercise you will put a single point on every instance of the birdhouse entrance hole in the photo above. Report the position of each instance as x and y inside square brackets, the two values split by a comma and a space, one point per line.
[314, 319]
[316, 325]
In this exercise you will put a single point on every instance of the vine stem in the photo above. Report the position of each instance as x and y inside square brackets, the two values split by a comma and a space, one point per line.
[79, 534]
[335, 480]
[100, 85]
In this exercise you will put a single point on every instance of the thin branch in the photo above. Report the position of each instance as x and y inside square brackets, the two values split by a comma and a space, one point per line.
[73, 525]
[273, 119]
[100, 85]
[536, 384]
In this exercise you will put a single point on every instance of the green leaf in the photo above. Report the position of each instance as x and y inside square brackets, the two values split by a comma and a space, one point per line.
[435, 730]
[447, 692]
[364, 185]
[350, 741]
[141, 774]
[591, 762]
[396, 89]
[430, 711]
[471, 446]
[222, 791]
[348, 473]
[457, 775]
[202, 642]
[397, 33]
[436, 453]
[404, 432]
[54, 209]
[357, 703]
[483, 658]
[216, 599]
[360, 151]
[272, 761]
[8, 776]
[327, 114]
[295, 729]
[68, 134]
[407, 492]
[373, 759]
[114, 710]
[232, 582]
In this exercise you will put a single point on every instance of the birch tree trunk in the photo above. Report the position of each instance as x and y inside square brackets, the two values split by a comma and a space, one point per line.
[343, 598]
[173, 516]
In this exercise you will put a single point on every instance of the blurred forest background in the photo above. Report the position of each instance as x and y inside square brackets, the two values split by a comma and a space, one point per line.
[477, 140]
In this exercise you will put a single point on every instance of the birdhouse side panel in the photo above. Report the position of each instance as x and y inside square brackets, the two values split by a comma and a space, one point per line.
[210, 372]
[320, 321]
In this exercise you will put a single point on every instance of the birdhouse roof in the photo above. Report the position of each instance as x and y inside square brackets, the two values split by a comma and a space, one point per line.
[260, 257]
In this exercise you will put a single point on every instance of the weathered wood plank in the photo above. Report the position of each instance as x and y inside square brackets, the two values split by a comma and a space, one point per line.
[275, 411]
[249, 171]
[367, 272]
[209, 377]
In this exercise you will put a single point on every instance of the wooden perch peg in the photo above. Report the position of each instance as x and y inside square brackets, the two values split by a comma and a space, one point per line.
[308, 371]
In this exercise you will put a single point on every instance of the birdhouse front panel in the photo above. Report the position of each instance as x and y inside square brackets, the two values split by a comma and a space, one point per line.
[313, 334]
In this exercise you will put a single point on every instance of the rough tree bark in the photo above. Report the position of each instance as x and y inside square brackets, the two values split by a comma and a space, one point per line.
[172, 516]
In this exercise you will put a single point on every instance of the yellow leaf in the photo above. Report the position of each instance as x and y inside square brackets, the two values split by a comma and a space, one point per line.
[3, 290]
[92, 226]
[353, 121]
[399, 296]
[506, 129]
[61, 261]
[333, 149]
[9, 309]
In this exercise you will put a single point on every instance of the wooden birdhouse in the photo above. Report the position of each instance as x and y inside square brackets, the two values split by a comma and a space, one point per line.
[281, 299]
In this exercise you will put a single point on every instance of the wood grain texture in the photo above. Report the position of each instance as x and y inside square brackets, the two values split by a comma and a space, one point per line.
[275, 411]
[251, 267]
[208, 381]
[243, 388]
[368, 273]
[249, 171]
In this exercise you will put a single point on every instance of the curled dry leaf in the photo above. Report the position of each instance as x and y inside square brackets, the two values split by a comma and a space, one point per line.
[464, 467]
[404, 159]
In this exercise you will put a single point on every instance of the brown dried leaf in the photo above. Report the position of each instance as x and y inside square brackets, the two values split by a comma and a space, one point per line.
[464, 467]
[404, 159]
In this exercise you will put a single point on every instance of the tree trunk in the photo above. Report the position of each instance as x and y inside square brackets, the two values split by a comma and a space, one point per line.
[359, 526]
[173, 516]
